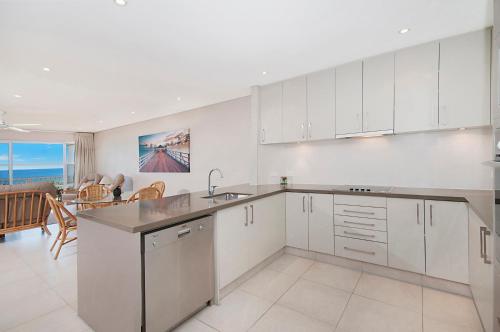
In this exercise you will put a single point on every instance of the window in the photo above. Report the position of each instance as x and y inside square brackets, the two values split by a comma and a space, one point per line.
[23, 162]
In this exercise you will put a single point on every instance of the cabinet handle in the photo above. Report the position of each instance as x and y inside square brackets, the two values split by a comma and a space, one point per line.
[263, 135]
[360, 212]
[359, 234]
[309, 129]
[418, 214]
[358, 223]
[483, 232]
[430, 215]
[251, 220]
[246, 215]
[304, 204]
[311, 204]
[360, 251]
[481, 244]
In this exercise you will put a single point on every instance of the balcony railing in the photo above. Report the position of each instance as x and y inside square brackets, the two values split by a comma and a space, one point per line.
[57, 180]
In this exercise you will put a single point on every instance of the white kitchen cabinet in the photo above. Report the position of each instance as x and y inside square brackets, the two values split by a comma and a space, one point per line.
[416, 88]
[464, 80]
[309, 222]
[321, 105]
[446, 239]
[267, 227]
[232, 243]
[271, 103]
[247, 234]
[321, 234]
[349, 98]
[297, 219]
[378, 93]
[295, 110]
[405, 232]
[481, 269]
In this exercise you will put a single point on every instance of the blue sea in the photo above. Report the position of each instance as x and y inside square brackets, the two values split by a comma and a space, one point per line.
[44, 174]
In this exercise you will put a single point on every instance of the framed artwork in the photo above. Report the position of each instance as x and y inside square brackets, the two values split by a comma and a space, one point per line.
[166, 152]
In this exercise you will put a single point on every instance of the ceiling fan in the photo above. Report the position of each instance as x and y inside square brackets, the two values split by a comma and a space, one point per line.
[15, 126]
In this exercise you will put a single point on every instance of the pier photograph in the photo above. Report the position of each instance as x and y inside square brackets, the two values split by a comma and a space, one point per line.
[166, 152]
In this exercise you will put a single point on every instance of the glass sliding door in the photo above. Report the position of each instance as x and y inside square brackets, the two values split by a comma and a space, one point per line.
[38, 162]
[4, 163]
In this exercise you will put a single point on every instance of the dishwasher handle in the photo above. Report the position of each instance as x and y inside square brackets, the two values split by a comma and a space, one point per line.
[183, 232]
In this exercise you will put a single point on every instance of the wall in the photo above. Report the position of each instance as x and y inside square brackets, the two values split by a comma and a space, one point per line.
[220, 137]
[450, 159]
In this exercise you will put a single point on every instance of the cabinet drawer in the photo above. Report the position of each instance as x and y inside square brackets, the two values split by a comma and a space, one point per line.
[365, 223]
[374, 201]
[360, 211]
[366, 251]
[363, 234]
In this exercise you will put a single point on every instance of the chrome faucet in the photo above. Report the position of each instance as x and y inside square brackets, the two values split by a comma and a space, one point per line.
[211, 189]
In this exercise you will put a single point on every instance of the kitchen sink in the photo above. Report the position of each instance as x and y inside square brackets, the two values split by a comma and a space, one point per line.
[228, 196]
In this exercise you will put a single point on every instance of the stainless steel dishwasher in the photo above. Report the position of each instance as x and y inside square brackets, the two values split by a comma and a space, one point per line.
[178, 273]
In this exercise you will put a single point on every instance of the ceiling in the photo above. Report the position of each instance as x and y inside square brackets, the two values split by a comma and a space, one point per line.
[112, 65]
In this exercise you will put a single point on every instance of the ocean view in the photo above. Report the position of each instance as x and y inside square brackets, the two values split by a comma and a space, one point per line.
[41, 174]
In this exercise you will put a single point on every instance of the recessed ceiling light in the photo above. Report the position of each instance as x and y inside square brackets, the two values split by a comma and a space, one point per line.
[462, 128]
[121, 2]
[132, 112]
[264, 73]
[17, 96]
[403, 31]
[178, 98]
[46, 69]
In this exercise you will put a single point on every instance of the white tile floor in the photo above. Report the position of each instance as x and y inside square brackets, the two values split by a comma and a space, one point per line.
[291, 294]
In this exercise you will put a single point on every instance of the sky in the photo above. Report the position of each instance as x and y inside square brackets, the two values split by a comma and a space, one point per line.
[27, 154]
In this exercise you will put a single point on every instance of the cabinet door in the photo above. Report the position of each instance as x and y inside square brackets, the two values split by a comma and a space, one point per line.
[446, 234]
[405, 233]
[271, 113]
[321, 234]
[378, 93]
[321, 105]
[297, 228]
[416, 88]
[267, 227]
[349, 98]
[480, 272]
[464, 80]
[232, 244]
[294, 110]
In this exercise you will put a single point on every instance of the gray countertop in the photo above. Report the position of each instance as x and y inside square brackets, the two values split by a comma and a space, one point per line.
[145, 216]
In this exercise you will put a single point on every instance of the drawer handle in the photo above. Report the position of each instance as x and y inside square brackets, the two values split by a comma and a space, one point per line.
[360, 251]
[359, 234]
[358, 223]
[360, 212]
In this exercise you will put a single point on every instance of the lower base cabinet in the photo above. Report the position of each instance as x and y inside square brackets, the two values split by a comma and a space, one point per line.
[309, 222]
[247, 234]
[361, 250]
[481, 272]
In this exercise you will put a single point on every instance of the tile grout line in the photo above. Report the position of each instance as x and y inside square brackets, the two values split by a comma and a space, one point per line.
[286, 291]
[202, 322]
[348, 301]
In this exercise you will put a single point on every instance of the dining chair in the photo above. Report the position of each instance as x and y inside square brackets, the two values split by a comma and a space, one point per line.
[66, 224]
[93, 192]
[144, 193]
[160, 185]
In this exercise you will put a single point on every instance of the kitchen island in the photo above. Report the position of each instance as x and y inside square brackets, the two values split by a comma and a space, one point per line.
[112, 242]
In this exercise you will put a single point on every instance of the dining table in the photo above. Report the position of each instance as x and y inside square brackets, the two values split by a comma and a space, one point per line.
[105, 200]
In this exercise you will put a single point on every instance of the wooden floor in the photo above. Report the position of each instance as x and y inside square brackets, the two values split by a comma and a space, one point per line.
[162, 162]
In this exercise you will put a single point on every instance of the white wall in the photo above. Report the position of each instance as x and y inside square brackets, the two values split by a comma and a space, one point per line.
[220, 137]
[450, 159]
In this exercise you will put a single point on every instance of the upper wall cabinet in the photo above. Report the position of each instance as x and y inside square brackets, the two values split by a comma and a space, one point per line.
[349, 98]
[464, 80]
[271, 101]
[295, 110]
[321, 105]
[378, 93]
[416, 88]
